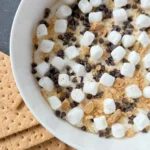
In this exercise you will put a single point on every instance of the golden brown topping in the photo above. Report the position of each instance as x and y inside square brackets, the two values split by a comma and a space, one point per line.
[65, 105]
[130, 133]
[88, 108]
[96, 26]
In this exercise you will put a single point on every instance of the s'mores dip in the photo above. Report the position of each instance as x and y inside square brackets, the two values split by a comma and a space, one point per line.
[91, 59]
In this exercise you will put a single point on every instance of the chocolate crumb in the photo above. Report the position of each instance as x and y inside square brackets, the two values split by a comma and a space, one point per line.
[83, 128]
[46, 12]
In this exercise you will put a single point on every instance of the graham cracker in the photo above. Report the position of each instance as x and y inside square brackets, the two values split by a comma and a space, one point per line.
[9, 94]
[69, 148]
[3, 108]
[16, 121]
[26, 139]
[53, 144]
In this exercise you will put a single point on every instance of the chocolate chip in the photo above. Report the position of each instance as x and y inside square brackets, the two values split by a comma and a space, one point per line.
[88, 67]
[62, 98]
[44, 22]
[144, 130]
[137, 67]
[69, 89]
[77, 45]
[38, 78]
[124, 60]
[74, 104]
[148, 115]
[134, 6]
[46, 59]
[117, 105]
[95, 41]
[101, 40]
[46, 12]
[66, 95]
[33, 71]
[108, 49]
[57, 113]
[96, 34]
[102, 68]
[92, 120]
[59, 89]
[83, 128]
[99, 95]
[80, 61]
[74, 39]
[33, 65]
[60, 37]
[89, 96]
[124, 100]
[60, 53]
[74, 80]
[130, 19]
[36, 46]
[63, 114]
[100, 133]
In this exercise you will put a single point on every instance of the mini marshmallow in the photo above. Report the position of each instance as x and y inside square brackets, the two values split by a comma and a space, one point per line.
[58, 63]
[96, 3]
[85, 6]
[60, 26]
[141, 121]
[55, 102]
[95, 16]
[146, 92]
[72, 52]
[46, 83]
[77, 95]
[133, 91]
[87, 38]
[146, 61]
[120, 15]
[75, 115]
[134, 57]
[63, 12]
[46, 46]
[100, 123]
[145, 4]
[142, 21]
[63, 80]
[118, 53]
[144, 39]
[128, 70]
[109, 106]
[42, 68]
[70, 2]
[114, 37]
[128, 40]
[107, 80]
[41, 31]
[118, 130]
[79, 70]
[96, 52]
[148, 76]
[120, 3]
[90, 88]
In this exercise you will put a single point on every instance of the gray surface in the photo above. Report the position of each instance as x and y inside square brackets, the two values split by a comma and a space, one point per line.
[7, 12]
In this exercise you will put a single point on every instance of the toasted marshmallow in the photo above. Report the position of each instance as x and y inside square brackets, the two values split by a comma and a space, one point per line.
[42, 68]
[133, 91]
[141, 121]
[128, 70]
[128, 40]
[63, 12]
[63, 80]
[60, 26]
[134, 58]
[72, 52]
[96, 3]
[120, 3]
[144, 39]
[145, 4]
[85, 6]
[148, 76]
[146, 61]
[79, 70]
[118, 130]
[118, 53]
[87, 38]
[46, 83]
[41, 31]
[114, 37]
[120, 15]
[109, 106]
[142, 21]
[58, 63]
[46, 46]
[96, 52]
[77, 95]
[95, 16]
[90, 88]
[75, 115]
[55, 102]
[100, 123]
[146, 92]
[107, 80]
[70, 2]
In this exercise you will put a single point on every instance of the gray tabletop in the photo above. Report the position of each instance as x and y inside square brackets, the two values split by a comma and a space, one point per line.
[7, 12]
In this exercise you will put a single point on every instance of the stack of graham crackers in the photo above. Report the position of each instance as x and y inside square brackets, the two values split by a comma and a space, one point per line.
[19, 130]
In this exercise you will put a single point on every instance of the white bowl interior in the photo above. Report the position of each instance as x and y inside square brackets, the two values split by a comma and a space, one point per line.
[25, 22]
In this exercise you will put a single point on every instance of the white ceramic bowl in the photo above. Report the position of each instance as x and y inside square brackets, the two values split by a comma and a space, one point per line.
[25, 22]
